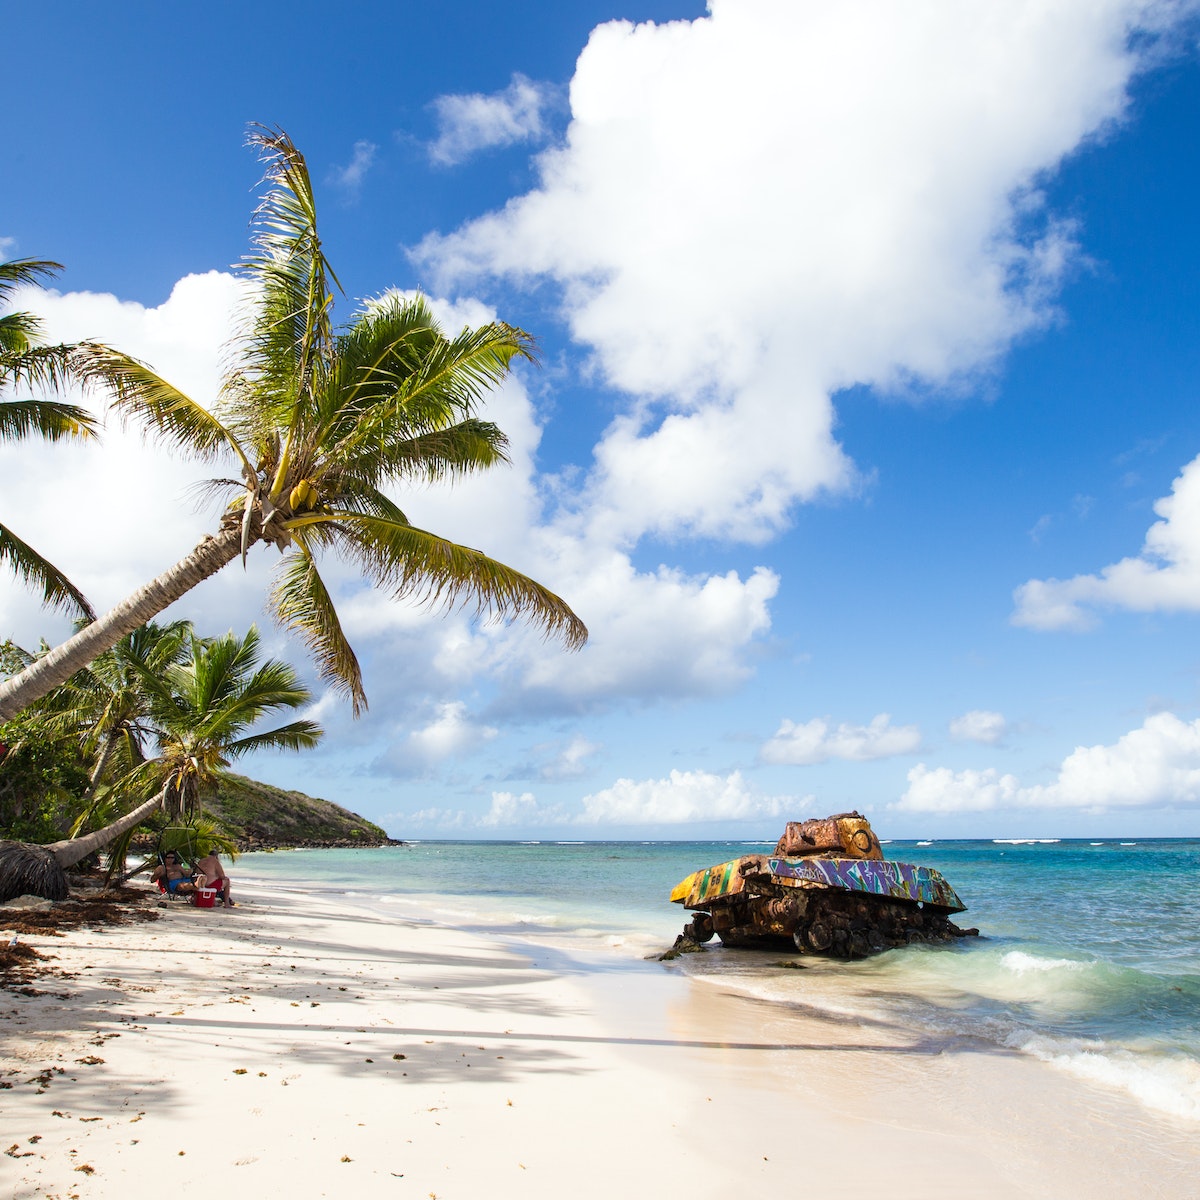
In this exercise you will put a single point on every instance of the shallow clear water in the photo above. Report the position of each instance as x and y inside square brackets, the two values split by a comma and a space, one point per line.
[1090, 954]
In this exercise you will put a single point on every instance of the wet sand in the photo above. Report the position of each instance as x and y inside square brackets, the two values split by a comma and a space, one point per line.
[302, 1046]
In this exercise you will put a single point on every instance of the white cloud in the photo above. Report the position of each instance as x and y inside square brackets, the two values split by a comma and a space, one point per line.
[470, 123]
[451, 734]
[817, 742]
[979, 725]
[510, 810]
[8, 247]
[570, 761]
[681, 798]
[660, 633]
[757, 208]
[1155, 766]
[114, 515]
[1164, 576]
[351, 176]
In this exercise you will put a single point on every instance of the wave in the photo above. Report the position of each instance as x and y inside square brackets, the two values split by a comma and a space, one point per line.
[1030, 842]
[1169, 1083]
[1022, 963]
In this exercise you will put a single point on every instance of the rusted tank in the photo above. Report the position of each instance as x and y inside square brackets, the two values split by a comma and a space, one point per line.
[826, 889]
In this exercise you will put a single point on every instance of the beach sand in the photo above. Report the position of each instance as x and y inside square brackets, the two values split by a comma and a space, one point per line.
[298, 1045]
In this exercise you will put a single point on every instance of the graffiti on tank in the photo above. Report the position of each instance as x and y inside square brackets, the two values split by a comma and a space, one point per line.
[903, 881]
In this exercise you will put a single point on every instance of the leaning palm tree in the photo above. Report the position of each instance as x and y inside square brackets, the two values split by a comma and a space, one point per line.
[23, 360]
[320, 423]
[205, 708]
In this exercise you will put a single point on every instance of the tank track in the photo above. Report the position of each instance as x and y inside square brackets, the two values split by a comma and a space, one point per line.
[826, 922]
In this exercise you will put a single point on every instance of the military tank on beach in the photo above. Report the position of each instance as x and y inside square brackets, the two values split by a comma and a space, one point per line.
[826, 889]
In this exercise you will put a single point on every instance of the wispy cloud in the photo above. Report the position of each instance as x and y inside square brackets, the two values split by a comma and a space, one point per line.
[679, 799]
[817, 741]
[350, 177]
[470, 123]
[979, 725]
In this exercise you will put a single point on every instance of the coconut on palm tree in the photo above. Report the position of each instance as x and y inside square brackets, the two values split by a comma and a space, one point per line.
[205, 708]
[24, 361]
[321, 424]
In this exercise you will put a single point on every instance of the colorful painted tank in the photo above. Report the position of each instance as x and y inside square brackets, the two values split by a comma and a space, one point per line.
[827, 889]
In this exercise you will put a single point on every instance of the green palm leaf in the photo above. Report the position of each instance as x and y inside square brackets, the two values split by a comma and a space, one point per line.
[57, 590]
[19, 331]
[301, 602]
[49, 419]
[138, 393]
[421, 566]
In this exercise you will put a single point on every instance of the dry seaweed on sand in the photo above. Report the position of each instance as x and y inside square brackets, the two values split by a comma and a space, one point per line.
[22, 963]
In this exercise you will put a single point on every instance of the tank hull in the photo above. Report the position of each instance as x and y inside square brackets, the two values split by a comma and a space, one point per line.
[819, 904]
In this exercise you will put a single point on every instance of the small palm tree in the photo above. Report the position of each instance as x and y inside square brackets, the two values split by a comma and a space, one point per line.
[320, 424]
[23, 361]
[204, 707]
[108, 706]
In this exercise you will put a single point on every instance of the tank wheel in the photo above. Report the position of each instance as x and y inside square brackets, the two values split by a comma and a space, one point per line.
[700, 928]
[860, 947]
[816, 937]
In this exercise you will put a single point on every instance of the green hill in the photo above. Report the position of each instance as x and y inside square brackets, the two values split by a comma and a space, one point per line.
[263, 817]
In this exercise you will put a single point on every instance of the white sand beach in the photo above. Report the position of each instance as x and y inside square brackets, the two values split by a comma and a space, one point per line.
[303, 1047]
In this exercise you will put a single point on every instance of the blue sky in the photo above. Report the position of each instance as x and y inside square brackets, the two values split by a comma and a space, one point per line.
[864, 440]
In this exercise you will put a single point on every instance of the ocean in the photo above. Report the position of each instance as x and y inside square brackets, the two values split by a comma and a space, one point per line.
[1089, 954]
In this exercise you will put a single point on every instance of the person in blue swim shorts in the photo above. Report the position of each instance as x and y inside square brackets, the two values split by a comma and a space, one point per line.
[172, 875]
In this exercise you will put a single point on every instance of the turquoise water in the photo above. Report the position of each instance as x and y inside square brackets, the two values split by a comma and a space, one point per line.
[1089, 956]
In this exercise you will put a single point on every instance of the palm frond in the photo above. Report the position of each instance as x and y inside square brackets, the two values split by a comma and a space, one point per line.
[299, 735]
[438, 456]
[50, 419]
[301, 602]
[274, 685]
[428, 569]
[288, 330]
[16, 272]
[57, 590]
[140, 394]
[398, 378]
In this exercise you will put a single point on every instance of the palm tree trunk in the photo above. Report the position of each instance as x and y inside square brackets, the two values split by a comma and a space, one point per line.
[72, 850]
[63, 661]
[110, 741]
[41, 870]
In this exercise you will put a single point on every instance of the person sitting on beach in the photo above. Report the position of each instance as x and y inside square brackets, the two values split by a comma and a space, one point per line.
[210, 873]
[172, 876]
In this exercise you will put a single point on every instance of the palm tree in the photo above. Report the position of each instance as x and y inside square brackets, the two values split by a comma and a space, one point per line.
[204, 707]
[24, 361]
[320, 423]
[108, 706]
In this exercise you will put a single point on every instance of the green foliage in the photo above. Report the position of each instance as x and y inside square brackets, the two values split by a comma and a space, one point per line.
[204, 707]
[264, 816]
[42, 780]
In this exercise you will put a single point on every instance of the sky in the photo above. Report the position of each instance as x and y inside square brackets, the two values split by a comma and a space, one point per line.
[864, 436]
